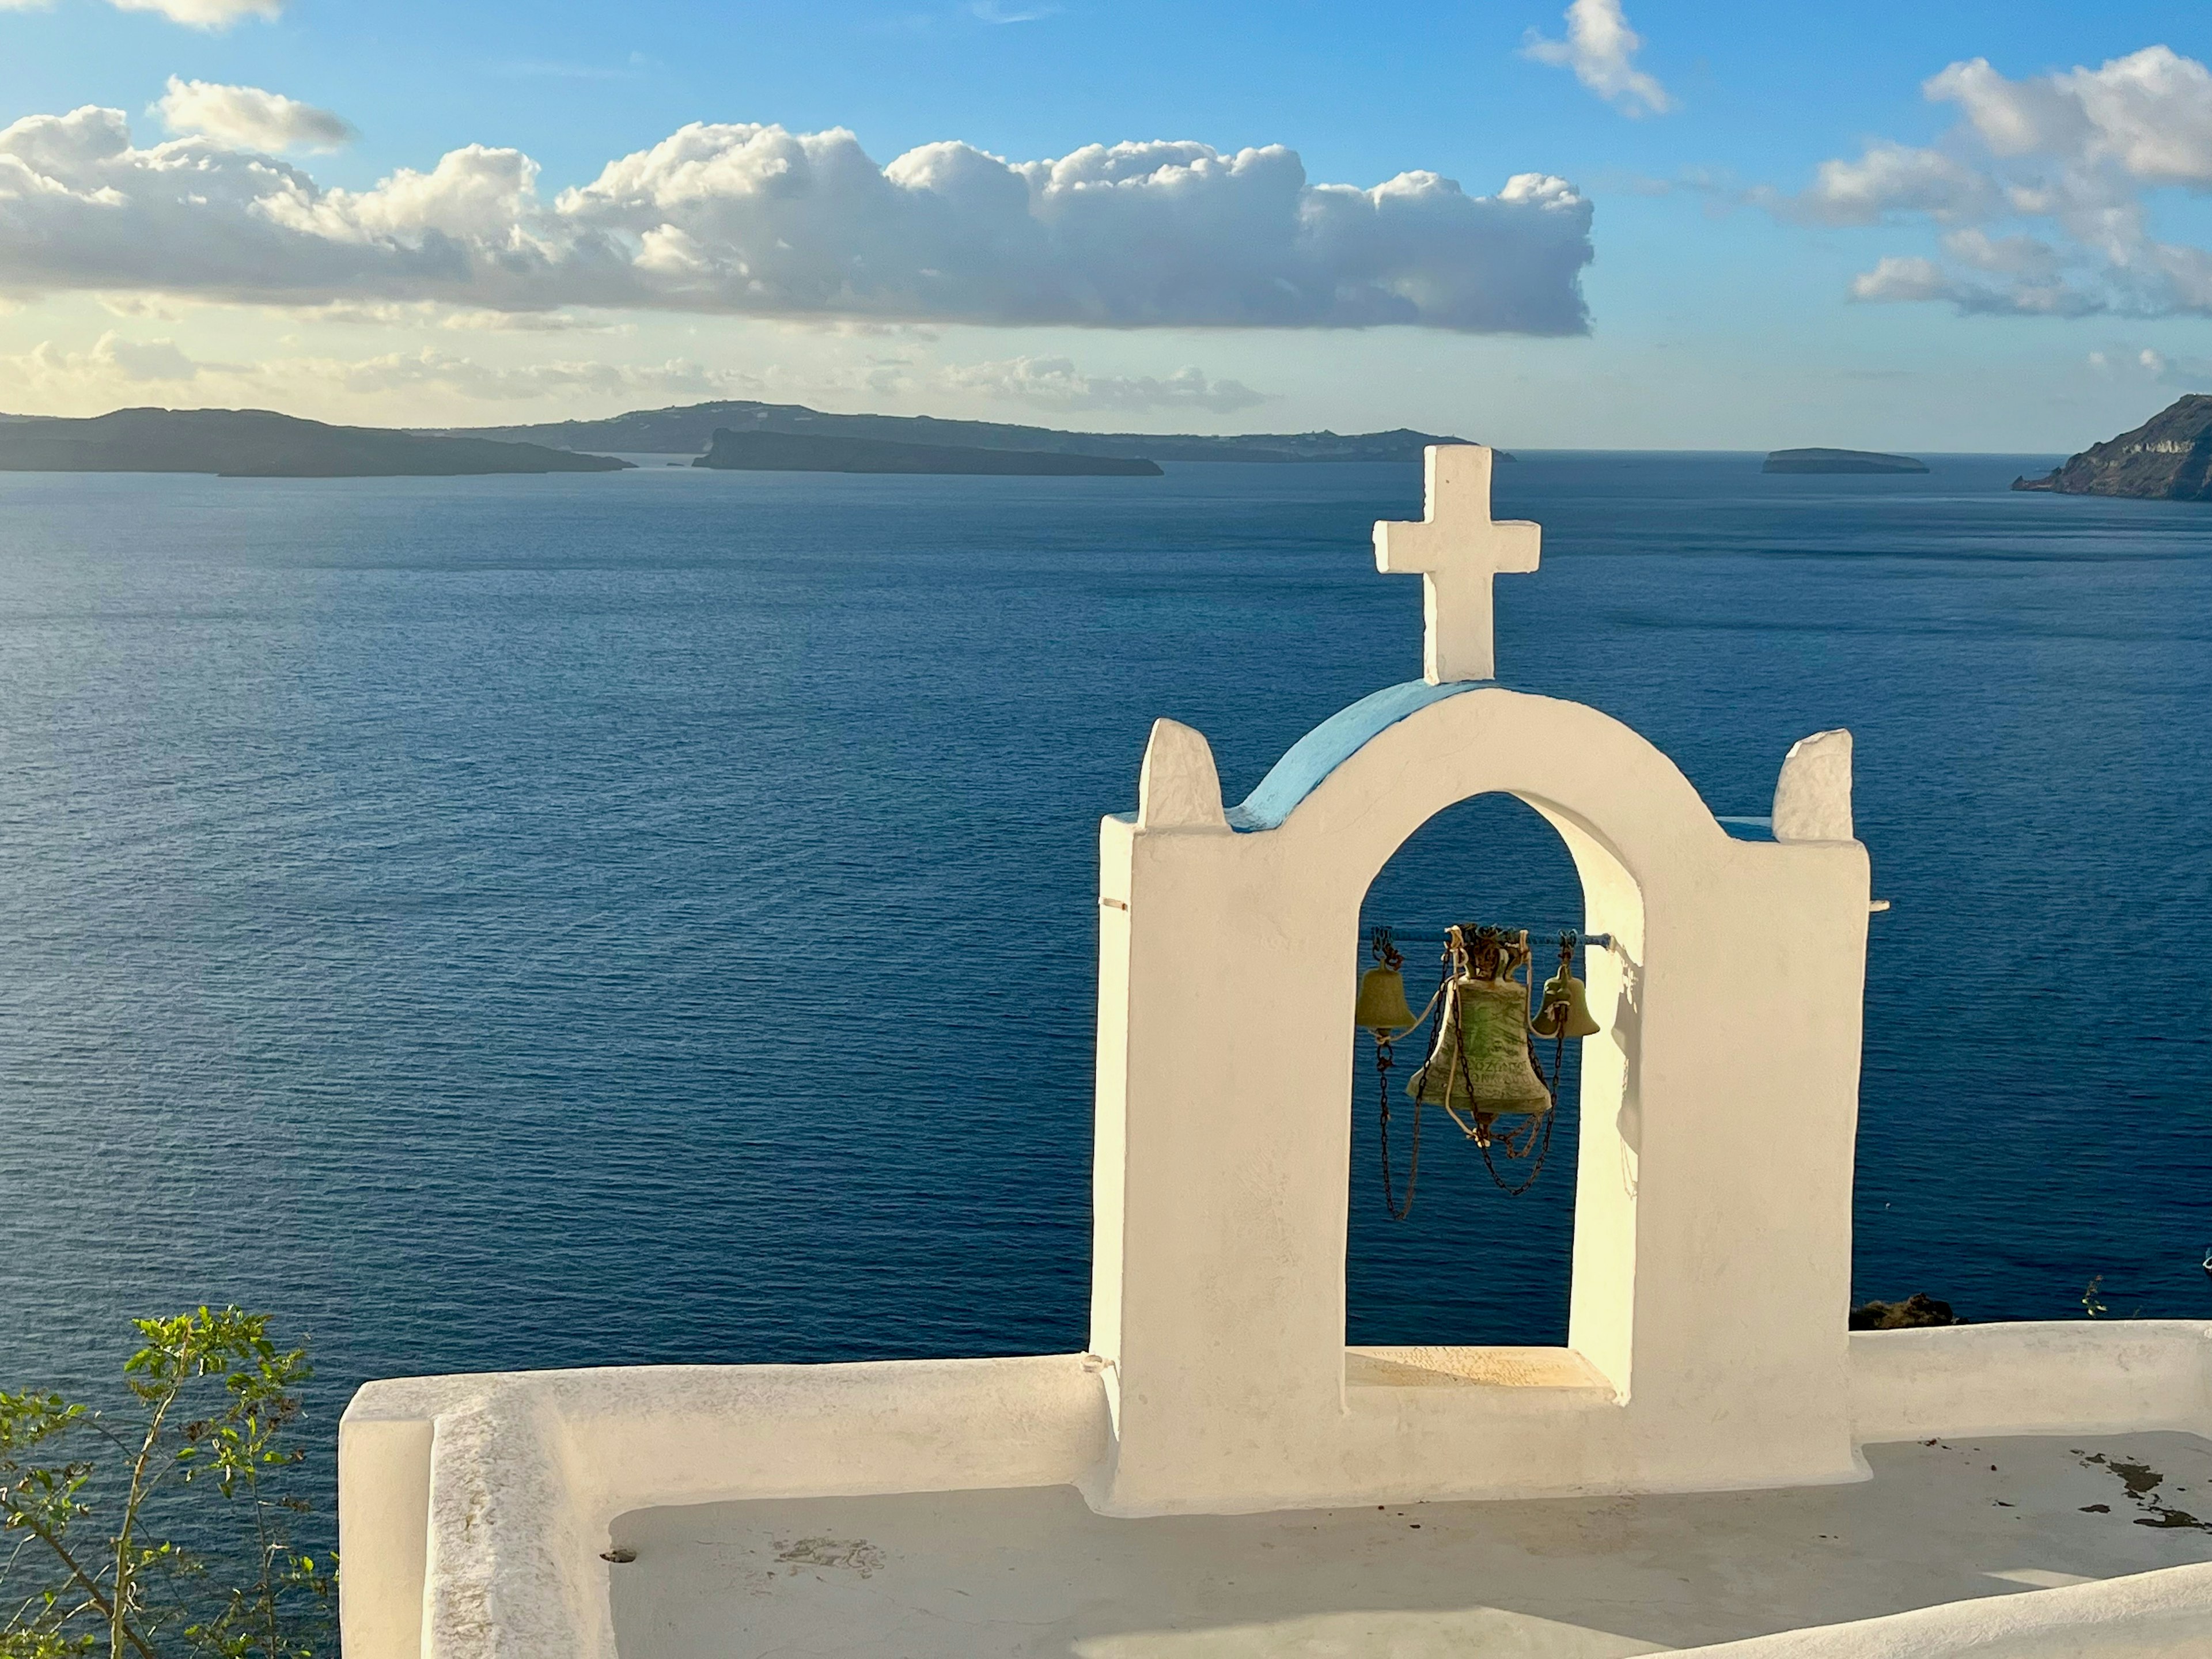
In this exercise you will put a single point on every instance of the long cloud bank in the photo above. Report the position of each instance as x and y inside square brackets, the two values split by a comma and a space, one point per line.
[195, 13]
[2042, 195]
[759, 220]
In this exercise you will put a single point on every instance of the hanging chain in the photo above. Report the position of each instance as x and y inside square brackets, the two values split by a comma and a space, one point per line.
[1387, 954]
[1398, 1211]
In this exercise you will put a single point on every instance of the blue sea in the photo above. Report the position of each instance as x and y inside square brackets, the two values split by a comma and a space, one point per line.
[514, 922]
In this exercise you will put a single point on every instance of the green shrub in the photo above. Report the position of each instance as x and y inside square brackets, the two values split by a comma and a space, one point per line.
[171, 1534]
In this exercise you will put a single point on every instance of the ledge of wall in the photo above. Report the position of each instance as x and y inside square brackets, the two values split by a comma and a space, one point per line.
[471, 1508]
[2149, 1615]
[2042, 1377]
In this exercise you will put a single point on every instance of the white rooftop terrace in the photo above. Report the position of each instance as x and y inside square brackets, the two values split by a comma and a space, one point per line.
[1028, 1573]
[1711, 1455]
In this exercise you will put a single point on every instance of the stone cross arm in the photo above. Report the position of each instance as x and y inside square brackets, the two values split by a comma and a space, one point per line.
[1456, 548]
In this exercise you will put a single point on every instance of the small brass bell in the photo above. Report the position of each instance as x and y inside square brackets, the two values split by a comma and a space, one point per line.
[1564, 1005]
[1486, 1023]
[1381, 1007]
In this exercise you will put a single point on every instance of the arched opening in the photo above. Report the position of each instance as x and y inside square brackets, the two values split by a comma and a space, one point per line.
[1468, 1265]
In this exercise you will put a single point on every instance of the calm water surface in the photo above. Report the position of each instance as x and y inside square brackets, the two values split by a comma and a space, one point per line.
[552, 921]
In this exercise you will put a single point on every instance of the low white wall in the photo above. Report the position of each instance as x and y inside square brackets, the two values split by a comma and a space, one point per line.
[472, 1509]
[2070, 1376]
[384, 1527]
[2151, 1616]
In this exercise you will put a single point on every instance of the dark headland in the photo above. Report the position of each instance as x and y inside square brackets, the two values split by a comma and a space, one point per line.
[1840, 461]
[257, 443]
[690, 429]
[2167, 458]
[785, 452]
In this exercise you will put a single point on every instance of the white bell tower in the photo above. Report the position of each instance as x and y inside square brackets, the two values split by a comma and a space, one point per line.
[1707, 1345]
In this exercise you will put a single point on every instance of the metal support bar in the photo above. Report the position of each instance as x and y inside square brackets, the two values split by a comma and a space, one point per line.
[1603, 941]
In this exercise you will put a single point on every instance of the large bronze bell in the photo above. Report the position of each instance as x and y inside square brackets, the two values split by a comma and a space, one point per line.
[1486, 1023]
[1563, 1003]
[1381, 1007]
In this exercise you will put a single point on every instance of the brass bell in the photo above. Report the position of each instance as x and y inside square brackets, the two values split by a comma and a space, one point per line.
[1564, 1005]
[1381, 1007]
[1486, 1024]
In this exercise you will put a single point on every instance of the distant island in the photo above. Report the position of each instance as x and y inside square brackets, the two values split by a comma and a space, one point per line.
[2167, 458]
[257, 443]
[689, 430]
[1840, 460]
[785, 452]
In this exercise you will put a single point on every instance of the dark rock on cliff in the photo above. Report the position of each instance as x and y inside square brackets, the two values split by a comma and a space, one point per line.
[1840, 461]
[1913, 1312]
[257, 443]
[784, 452]
[2167, 458]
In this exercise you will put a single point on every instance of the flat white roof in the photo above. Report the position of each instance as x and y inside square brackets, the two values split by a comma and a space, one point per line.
[1028, 1572]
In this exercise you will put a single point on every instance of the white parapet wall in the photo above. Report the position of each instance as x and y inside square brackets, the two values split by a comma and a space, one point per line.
[2145, 1615]
[2076, 1377]
[472, 1510]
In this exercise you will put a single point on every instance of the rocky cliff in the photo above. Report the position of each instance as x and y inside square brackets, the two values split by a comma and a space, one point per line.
[688, 430]
[2168, 457]
[259, 443]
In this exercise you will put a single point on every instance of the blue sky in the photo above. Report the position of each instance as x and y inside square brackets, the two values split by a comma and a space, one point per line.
[1719, 295]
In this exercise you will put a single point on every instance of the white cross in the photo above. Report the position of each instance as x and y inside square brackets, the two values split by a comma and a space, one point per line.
[1457, 547]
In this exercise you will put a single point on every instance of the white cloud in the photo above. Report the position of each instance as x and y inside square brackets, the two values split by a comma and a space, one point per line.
[427, 313]
[1600, 49]
[529, 322]
[144, 305]
[1055, 383]
[366, 314]
[2148, 114]
[2047, 188]
[114, 368]
[1909, 278]
[2014, 256]
[194, 14]
[446, 371]
[1891, 179]
[1901, 279]
[250, 118]
[145, 360]
[206, 14]
[112, 363]
[757, 220]
[2188, 373]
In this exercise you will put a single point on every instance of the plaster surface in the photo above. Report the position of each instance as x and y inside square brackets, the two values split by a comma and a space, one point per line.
[1719, 1109]
[1022, 1574]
